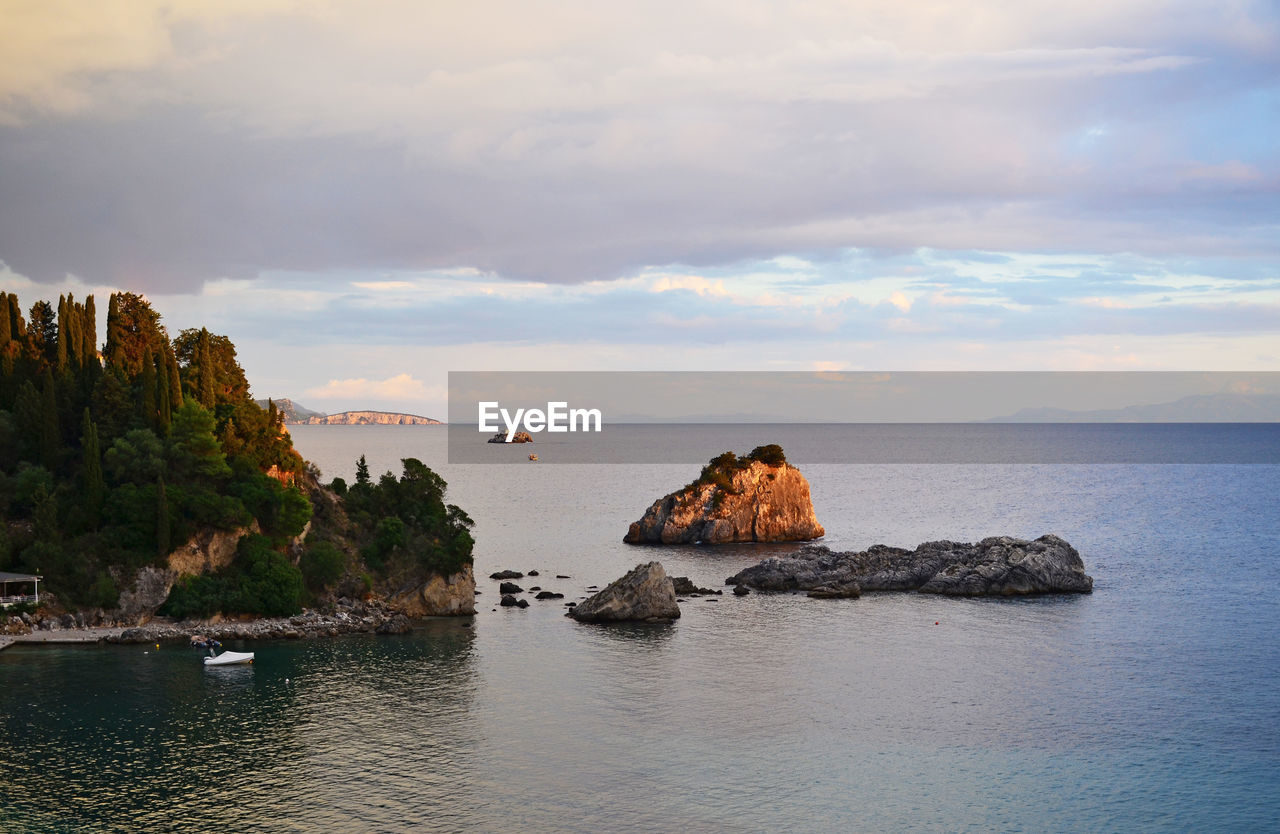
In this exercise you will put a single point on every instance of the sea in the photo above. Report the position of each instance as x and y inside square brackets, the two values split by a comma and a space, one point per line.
[1152, 704]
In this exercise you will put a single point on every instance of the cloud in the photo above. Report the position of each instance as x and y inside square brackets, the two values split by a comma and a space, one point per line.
[399, 387]
[162, 145]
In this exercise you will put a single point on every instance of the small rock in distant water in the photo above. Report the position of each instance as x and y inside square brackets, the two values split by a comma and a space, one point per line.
[519, 437]
[563, 576]
[532, 573]
[510, 588]
[535, 588]
[740, 590]
[522, 603]
[549, 595]
[507, 574]
[684, 585]
[507, 601]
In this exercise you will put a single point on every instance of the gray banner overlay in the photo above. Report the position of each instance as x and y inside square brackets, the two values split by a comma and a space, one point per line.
[865, 417]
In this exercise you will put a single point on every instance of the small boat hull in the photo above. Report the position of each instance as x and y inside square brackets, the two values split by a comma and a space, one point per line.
[229, 659]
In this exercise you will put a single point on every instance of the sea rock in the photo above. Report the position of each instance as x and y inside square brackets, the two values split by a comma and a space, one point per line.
[518, 437]
[684, 586]
[549, 595]
[741, 590]
[397, 624]
[438, 596]
[763, 503]
[997, 566]
[508, 601]
[510, 588]
[533, 573]
[835, 592]
[507, 574]
[644, 593]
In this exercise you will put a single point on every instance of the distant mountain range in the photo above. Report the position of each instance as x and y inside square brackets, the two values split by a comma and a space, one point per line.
[298, 415]
[1199, 408]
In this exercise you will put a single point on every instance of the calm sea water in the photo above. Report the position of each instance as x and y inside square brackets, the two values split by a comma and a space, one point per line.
[1152, 704]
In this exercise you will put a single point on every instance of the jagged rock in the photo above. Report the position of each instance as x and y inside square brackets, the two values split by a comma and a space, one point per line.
[150, 588]
[834, 592]
[999, 566]
[507, 574]
[644, 593]
[764, 503]
[683, 585]
[398, 624]
[510, 588]
[518, 437]
[549, 595]
[439, 596]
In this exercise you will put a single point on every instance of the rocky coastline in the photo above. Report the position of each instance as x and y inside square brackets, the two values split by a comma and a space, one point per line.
[996, 566]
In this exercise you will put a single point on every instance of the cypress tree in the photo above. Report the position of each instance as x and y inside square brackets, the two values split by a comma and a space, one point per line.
[50, 435]
[205, 371]
[89, 328]
[64, 336]
[115, 339]
[5, 337]
[150, 410]
[17, 326]
[162, 519]
[163, 405]
[362, 471]
[175, 381]
[95, 488]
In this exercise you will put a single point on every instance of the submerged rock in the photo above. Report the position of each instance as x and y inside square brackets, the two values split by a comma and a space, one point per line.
[997, 566]
[507, 574]
[645, 593]
[734, 500]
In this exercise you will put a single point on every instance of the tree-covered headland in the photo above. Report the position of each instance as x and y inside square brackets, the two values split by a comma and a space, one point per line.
[112, 457]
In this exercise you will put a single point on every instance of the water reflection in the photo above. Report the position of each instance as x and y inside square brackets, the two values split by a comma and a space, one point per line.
[333, 730]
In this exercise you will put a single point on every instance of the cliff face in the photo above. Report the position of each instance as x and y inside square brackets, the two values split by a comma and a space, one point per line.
[439, 596]
[206, 552]
[370, 418]
[766, 503]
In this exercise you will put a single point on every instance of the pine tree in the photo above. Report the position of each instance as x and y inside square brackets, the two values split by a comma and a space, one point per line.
[64, 336]
[362, 471]
[162, 519]
[95, 488]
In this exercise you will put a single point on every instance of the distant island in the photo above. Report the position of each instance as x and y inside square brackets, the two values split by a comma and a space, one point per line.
[298, 415]
[1198, 408]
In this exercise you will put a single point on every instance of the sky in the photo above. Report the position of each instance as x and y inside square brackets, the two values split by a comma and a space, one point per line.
[364, 196]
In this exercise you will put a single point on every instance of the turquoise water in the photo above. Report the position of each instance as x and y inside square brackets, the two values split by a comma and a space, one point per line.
[1151, 704]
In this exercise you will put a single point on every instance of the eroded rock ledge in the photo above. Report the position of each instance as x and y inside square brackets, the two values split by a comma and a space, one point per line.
[759, 498]
[997, 566]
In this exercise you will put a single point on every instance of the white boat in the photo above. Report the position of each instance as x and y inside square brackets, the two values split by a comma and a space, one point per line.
[228, 658]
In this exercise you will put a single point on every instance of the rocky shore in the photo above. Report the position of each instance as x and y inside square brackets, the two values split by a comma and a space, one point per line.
[997, 566]
[347, 617]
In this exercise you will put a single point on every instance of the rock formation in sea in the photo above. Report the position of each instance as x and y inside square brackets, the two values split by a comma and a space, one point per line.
[997, 566]
[644, 593]
[438, 596]
[759, 498]
[518, 437]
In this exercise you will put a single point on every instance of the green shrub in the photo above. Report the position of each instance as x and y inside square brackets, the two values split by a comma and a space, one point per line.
[771, 455]
[322, 565]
